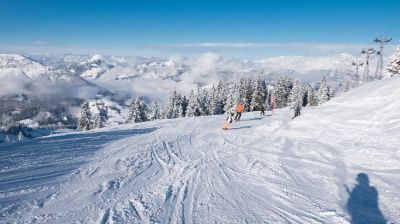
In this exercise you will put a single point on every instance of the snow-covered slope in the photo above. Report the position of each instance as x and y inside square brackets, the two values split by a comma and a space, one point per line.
[29, 67]
[268, 169]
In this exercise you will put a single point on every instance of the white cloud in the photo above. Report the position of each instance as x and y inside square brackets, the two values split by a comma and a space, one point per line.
[250, 50]
[243, 50]
[13, 81]
[206, 62]
[305, 46]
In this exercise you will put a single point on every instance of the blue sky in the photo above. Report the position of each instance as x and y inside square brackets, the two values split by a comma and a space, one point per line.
[247, 28]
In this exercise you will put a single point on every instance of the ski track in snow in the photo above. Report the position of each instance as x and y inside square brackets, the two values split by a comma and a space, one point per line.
[263, 170]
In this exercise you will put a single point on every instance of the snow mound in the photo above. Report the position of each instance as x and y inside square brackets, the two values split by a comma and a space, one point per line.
[268, 169]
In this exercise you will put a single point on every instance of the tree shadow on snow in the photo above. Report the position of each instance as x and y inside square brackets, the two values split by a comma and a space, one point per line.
[41, 161]
[362, 204]
[240, 127]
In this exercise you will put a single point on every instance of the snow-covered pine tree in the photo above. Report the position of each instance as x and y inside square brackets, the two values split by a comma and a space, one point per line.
[155, 112]
[216, 101]
[173, 106]
[132, 115]
[169, 108]
[183, 106]
[264, 89]
[323, 92]
[84, 121]
[288, 85]
[281, 91]
[193, 108]
[249, 89]
[312, 98]
[213, 100]
[296, 95]
[8, 140]
[393, 66]
[268, 100]
[178, 106]
[221, 92]
[241, 89]
[296, 98]
[142, 109]
[231, 99]
[258, 98]
[204, 103]
[137, 111]
[20, 136]
[163, 112]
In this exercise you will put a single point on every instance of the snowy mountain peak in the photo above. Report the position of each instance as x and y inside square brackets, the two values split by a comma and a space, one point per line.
[18, 68]
[12, 56]
[169, 63]
[28, 66]
[97, 57]
[94, 67]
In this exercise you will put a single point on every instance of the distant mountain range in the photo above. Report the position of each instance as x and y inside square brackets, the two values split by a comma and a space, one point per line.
[156, 77]
[66, 80]
[29, 69]
[203, 71]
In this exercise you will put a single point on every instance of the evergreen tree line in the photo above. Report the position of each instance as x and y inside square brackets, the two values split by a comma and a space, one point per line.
[16, 133]
[87, 121]
[9, 140]
[255, 94]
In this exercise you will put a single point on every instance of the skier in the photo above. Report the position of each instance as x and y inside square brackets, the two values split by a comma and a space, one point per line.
[297, 110]
[228, 122]
[239, 111]
[262, 108]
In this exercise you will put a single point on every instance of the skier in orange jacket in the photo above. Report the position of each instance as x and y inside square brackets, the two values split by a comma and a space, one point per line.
[239, 111]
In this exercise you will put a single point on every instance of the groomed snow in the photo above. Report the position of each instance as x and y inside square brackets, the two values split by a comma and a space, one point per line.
[268, 169]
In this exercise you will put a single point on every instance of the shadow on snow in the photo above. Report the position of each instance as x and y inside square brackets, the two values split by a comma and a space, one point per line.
[362, 204]
[240, 127]
[253, 119]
